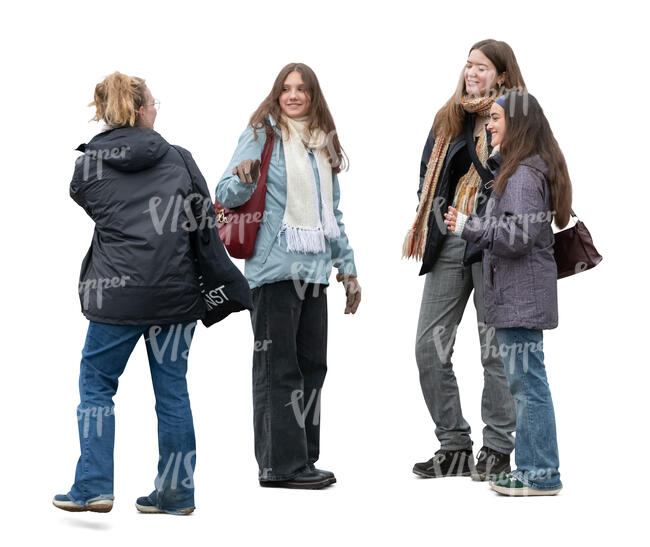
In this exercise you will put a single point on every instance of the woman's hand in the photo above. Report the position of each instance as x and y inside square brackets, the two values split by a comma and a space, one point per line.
[248, 171]
[352, 291]
[451, 216]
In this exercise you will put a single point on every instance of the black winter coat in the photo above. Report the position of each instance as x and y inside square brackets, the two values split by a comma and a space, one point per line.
[443, 195]
[140, 267]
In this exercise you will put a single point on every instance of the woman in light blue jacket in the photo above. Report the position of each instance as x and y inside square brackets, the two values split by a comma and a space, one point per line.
[301, 237]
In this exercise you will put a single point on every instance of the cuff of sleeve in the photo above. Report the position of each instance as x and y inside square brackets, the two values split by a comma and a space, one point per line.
[460, 224]
[348, 268]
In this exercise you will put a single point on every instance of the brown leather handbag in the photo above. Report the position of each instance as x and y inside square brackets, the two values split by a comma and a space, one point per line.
[574, 250]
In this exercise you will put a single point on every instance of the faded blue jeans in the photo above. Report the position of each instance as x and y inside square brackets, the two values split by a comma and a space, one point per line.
[104, 357]
[536, 452]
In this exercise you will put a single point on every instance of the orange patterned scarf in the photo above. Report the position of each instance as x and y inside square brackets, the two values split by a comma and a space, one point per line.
[416, 238]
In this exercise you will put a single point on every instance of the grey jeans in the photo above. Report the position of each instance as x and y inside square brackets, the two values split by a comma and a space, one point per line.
[446, 290]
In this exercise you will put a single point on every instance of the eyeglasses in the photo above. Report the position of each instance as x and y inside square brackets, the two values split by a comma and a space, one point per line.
[155, 104]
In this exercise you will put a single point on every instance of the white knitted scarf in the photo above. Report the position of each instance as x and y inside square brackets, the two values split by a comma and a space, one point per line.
[302, 225]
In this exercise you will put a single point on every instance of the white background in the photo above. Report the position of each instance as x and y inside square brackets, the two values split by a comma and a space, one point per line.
[385, 69]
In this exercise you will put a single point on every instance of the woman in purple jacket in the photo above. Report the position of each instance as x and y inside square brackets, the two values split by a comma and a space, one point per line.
[531, 189]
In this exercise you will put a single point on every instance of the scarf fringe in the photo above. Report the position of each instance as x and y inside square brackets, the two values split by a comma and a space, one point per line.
[303, 240]
[330, 226]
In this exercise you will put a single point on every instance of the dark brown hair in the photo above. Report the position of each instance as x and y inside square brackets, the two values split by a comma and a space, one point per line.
[319, 116]
[527, 134]
[449, 119]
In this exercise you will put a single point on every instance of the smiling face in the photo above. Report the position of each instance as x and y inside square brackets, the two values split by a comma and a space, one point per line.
[294, 99]
[480, 74]
[497, 125]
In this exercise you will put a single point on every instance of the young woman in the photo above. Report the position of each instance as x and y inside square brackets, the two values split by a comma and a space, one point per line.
[532, 187]
[138, 279]
[301, 236]
[452, 172]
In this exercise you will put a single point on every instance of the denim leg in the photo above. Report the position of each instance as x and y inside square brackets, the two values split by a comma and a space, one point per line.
[536, 451]
[446, 290]
[278, 387]
[311, 344]
[168, 348]
[497, 403]
[104, 356]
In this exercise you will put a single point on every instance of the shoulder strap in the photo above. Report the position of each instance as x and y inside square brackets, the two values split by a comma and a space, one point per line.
[484, 173]
[265, 161]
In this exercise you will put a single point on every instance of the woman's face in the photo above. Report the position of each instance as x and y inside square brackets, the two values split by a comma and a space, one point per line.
[497, 124]
[294, 99]
[480, 74]
[147, 112]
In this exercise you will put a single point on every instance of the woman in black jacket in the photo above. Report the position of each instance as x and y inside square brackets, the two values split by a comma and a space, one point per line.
[137, 279]
[452, 172]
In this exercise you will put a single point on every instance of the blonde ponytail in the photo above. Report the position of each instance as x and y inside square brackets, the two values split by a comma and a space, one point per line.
[118, 98]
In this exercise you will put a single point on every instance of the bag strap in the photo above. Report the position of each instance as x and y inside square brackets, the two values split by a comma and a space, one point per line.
[484, 173]
[267, 152]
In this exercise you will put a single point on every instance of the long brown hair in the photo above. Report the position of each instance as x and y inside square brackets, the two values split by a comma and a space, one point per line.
[527, 134]
[319, 116]
[449, 119]
[118, 98]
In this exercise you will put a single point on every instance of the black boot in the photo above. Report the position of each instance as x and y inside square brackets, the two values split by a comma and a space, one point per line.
[307, 479]
[447, 463]
[490, 464]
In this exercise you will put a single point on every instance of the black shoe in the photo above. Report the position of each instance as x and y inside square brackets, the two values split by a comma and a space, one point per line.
[308, 479]
[328, 474]
[447, 463]
[491, 464]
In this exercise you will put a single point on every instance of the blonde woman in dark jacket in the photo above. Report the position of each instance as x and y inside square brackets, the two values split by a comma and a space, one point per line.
[532, 188]
[138, 280]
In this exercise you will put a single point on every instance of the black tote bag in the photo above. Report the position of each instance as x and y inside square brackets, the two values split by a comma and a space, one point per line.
[223, 287]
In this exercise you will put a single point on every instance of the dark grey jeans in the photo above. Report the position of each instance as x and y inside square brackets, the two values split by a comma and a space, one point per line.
[289, 368]
[446, 291]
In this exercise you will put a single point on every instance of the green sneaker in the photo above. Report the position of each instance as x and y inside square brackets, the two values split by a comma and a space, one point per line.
[511, 486]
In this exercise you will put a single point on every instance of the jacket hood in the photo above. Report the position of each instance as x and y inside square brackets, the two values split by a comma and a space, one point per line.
[128, 149]
[536, 162]
[495, 161]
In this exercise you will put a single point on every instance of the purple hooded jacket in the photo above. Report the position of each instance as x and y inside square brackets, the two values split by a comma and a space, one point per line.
[519, 270]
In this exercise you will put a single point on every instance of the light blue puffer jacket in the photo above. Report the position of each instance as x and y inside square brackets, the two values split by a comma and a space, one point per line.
[270, 261]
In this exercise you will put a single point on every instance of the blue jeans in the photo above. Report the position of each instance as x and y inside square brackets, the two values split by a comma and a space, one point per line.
[536, 453]
[104, 357]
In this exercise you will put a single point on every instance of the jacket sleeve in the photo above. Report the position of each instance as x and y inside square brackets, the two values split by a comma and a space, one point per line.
[77, 190]
[342, 253]
[231, 192]
[524, 213]
[424, 161]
